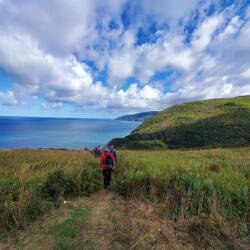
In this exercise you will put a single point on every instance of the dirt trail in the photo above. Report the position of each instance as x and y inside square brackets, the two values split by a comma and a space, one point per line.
[102, 221]
[98, 229]
[114, 223]
[91, 229]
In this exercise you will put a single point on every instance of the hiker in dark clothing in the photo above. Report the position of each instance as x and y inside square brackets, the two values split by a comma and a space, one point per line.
[107, 165]
[112, 151]
[97, 151]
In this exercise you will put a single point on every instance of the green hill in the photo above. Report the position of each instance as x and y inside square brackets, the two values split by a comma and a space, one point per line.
[139, 117]
[209, 123]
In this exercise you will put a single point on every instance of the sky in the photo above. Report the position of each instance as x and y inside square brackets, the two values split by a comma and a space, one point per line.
[95, 58]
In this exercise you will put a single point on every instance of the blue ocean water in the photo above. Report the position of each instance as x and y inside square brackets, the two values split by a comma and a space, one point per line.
[70, 133]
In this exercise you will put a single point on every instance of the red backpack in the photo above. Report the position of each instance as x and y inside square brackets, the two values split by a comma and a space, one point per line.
[109, 162]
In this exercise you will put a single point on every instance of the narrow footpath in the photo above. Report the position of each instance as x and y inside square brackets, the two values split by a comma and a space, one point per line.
[102, 221]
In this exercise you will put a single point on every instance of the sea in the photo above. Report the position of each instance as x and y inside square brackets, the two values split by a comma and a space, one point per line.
[63, 133]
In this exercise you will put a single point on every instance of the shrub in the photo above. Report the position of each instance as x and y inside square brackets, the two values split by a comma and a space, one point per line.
[57, 184]
[91, 180]
[133, 184]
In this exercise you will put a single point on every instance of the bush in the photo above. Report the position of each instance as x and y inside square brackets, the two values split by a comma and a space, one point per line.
[57, 184]
[90, 180]
[133, 184]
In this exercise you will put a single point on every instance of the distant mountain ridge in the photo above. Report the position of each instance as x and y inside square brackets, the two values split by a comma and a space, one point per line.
[210, 123]
[139, 117]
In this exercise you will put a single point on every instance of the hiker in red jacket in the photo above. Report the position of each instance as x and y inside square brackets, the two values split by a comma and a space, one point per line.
[107, 164]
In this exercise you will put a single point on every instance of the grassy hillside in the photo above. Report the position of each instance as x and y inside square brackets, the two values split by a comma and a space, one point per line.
[139, 117]
[217, 122]
[34, 181]
[188, 199]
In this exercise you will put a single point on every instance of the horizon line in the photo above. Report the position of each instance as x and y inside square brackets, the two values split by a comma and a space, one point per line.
[54, 117]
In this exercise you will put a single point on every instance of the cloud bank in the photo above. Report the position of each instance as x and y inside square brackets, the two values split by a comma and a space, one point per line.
[121, 55]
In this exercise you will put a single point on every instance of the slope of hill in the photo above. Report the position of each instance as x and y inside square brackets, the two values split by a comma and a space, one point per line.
[210, 123]
[139, 117]
[167, 199]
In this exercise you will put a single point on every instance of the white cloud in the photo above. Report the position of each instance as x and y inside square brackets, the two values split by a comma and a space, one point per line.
[35, 71]
[231, 29]
[246, 73]
[136, 98]
[58, 26]
[150, 93]
[121, 66]
[8, 98]
[203, 35]
[145, 60]
[46, 46]
[52, 105]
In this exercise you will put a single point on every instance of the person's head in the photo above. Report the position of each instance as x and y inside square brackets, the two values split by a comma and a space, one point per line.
[106, 150]
[111, 147]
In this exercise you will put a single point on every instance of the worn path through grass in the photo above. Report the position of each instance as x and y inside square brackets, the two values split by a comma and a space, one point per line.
[106, 221]
[97, 233]
[81, 224]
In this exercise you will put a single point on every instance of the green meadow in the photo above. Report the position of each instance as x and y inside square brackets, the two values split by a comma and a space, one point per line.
[209, 186]
[33, 181]
[193, 181]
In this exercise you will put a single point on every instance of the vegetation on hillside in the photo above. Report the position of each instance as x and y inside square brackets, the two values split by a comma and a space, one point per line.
[34, 181]
[205, 192]
[210, 123]
[139, 117]
[211, 185]
[193, 182]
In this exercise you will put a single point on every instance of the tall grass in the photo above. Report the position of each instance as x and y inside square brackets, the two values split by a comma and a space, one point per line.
[190, 183]
[212, 184]
[33, 181]
[208, 189]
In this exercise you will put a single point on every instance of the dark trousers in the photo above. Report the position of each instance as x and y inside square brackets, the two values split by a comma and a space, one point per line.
[106, 177]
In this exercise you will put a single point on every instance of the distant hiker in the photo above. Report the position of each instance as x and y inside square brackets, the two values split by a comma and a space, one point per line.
[112, 151]
[107, 164]
[85, 149]
[99, 151]
[95, 150]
